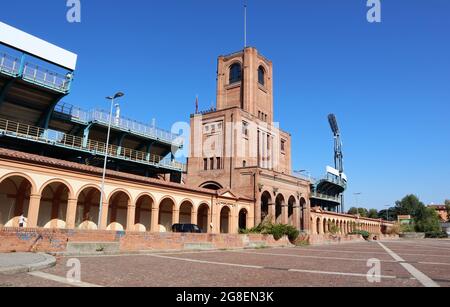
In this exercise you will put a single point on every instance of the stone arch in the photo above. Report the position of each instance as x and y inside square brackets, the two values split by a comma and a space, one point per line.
[211, 185]
[186, 211]
[303, 213]
[225, 219]
[57, 180]
[325, 225]
[167, 206]
[15, 192]
[111, 195]
[279, 204]
[203, 217]
[55, 195]
[88, 201]
[266, 202]
[291, 212]
[34, 189]
[243, 216]
[143, 212]
[118, 203]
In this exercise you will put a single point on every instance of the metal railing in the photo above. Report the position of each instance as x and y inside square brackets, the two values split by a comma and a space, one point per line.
[9, 65]
[102, 117]
[57, 138]
[324, 196]
[34, 74]
[41, 76]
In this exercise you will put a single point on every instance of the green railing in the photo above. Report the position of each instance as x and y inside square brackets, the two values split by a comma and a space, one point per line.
[56, 138]
[46, 78]
[99, 116]
[325, 197]
[16, 67]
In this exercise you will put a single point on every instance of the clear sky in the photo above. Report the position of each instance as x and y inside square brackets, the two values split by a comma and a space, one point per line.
[388, 83]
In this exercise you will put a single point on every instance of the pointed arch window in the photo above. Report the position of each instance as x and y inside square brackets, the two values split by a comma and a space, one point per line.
[235, 73]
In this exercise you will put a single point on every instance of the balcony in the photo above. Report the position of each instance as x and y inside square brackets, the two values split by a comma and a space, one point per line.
[56, 138]
[102, 117]
[321, 196]
[17, 68]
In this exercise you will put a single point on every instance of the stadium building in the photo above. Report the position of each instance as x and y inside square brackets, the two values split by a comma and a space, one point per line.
[238, 174]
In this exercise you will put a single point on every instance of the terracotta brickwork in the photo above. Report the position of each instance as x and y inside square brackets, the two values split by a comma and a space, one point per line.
[239, 147]
[56, 240]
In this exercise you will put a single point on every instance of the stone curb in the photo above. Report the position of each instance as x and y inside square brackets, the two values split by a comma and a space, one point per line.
[49, 262]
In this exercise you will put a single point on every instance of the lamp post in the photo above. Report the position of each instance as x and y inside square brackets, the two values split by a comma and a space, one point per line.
[356, 198]
[387, 206]
[102, 192]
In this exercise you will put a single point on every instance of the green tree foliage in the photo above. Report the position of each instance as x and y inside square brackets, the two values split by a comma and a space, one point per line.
[363, 212]
[383, 214]
[373, 214]
[353, 211]
[409, 205]
[427, 220]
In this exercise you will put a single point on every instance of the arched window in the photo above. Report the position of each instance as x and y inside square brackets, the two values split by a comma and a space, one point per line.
[235, 73]
[261, 75]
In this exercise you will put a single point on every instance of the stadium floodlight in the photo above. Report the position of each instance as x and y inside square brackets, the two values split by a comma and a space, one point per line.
[333, 124]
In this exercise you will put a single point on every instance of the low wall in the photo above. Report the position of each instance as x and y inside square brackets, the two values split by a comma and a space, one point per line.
[56, 241]
[334, 239]
[337, 239]
[412, 235]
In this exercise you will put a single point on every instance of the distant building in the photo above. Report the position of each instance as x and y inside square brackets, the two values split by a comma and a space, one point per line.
[405, 219]
[441, 211]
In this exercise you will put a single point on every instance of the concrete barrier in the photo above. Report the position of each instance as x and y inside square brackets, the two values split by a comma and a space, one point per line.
[412, 235]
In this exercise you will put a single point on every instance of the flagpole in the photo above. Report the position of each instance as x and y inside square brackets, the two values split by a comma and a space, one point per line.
[245, 26]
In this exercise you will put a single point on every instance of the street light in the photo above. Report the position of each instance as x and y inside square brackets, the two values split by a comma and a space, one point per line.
[102, 193]
[387, 206]
[356, 197]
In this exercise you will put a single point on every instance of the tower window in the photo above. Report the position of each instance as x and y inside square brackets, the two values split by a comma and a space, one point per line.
[219, 163]
[212, 163]
[261, 75]
[245, 128]
[235, 73]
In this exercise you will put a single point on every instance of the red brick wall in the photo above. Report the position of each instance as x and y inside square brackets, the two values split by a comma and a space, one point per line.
[45, 240]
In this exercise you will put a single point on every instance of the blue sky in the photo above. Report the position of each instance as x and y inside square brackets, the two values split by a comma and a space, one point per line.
[388, 83]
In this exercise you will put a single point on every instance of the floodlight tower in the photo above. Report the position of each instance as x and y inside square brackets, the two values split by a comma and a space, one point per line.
[338, 155]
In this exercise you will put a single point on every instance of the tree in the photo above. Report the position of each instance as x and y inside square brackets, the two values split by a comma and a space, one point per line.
[363, 212]
[383, 214]
[353, 211]
[409, 205]
[373, 214]
[427, 220]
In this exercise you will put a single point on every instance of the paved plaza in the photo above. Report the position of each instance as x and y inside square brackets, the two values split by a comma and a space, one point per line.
[403, 263]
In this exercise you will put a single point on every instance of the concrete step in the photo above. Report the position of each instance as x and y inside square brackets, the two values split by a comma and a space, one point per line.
[256, 244]
[198, 246]
[92, 248]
